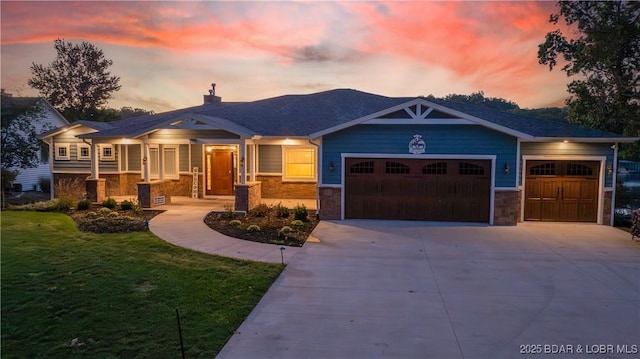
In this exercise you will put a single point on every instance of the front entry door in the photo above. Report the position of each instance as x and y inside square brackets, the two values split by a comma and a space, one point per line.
[218, 173]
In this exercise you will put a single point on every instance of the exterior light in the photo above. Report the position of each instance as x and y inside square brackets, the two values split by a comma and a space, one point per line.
[506, 168]
[331, 166]
[609, 170]
[209, 149]
[565, 141]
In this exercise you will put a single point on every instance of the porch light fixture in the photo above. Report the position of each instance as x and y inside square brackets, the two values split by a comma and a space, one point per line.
[609, 170]
[331, 166]
[506, 168]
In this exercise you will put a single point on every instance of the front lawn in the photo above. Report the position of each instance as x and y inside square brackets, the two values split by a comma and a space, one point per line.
[70, 294]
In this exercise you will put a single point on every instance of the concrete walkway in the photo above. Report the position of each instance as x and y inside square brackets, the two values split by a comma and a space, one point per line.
[182, 224]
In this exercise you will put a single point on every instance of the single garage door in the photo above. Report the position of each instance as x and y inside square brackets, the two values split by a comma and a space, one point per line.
[418, 189]
[562, 191]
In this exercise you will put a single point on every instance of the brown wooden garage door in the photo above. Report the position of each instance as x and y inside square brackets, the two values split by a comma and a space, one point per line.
[429, 190]
[561, 191]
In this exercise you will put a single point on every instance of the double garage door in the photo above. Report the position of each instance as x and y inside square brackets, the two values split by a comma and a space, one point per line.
[418, 189]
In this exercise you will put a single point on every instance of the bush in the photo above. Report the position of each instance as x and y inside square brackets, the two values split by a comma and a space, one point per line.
[92, 215]
[109, 203]
[45, 184]
[282, 211]
[254, 228]
[64, 205]
[126, 205]
[113, 214]
[117, 224]
[83, 205]
[284, 231]
[261, 210]
[104, 211]
[300, 213]
[297, 223]
[70, 187]
[228, 212]
[235, 222]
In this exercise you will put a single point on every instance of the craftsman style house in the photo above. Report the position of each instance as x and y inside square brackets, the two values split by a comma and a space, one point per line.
[360, 155]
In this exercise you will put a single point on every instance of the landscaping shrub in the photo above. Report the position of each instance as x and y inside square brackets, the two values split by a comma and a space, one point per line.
[126, 205]
[253, 228]
[45, 184]
[284, 231]
[63, 205]
[70, 187]
[109, 203]
[300, 212]
[113, 224]
[113, 214]
[235, 222]
[83, 205]
[282, 211]
[228, 212]
[297, 223]
[261, 210]
[104, 211]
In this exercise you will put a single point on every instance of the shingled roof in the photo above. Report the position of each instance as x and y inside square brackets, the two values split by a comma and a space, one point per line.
[303, 115]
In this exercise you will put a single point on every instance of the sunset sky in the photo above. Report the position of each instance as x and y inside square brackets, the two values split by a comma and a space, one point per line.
[168, 53]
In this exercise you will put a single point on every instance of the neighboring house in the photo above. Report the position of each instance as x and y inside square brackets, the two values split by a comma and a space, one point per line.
[28, 178]
[360, 155]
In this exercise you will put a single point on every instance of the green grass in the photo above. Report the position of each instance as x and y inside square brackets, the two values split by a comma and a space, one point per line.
[116, 293]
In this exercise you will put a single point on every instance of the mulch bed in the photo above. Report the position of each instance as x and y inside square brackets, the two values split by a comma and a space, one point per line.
[125, 221]
[269, 228]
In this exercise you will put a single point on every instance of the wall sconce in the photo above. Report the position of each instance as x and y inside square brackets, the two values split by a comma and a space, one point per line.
[331, 166]
[609, 170]
[506, 168]
[242, 162]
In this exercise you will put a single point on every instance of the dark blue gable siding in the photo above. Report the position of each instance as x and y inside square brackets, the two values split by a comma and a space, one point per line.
[440, 139]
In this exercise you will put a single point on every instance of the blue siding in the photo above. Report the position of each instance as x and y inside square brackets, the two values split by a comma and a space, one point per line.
[440, 139]
[570, 149]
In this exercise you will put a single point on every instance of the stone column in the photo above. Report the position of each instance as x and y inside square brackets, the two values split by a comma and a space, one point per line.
[330, 203]
[96, 189]
[248, 196]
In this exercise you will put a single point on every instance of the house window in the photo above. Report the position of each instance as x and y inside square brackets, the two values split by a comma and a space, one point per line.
[395, 168]
[84, 152]
[469, 169]
[299, 163]
[362, 167]
[107, 153]
[154, 168]
[438, 168]
[169, 162]
[62, 151]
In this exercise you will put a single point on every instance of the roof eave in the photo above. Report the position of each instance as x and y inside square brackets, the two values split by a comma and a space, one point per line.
[587, 139]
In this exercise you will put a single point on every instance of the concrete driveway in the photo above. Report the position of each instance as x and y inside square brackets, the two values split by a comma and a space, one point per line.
[391, 289]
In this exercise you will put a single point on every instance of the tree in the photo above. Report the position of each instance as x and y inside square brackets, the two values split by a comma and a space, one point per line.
[77, 81]
[20, 145]
[496, 103]
[603, 55]
[478, 98]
